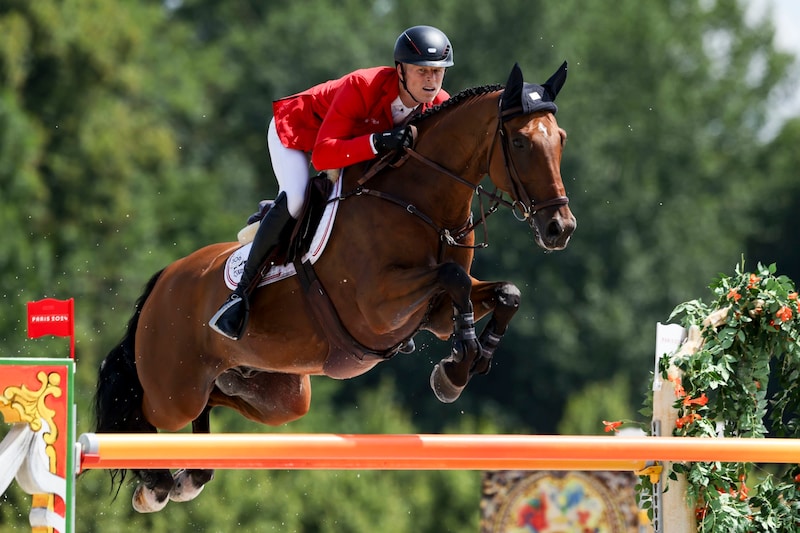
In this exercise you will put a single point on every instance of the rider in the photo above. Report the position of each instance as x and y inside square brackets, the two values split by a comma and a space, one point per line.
[340, 122]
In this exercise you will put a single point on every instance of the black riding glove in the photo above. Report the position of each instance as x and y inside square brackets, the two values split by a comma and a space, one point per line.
[394, 139]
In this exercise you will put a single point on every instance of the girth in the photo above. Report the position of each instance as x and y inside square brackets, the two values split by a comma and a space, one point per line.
[346, 357]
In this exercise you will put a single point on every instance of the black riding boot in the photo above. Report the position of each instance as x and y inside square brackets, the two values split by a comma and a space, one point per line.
[231, 319]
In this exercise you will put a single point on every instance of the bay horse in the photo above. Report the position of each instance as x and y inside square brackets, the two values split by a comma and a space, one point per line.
[397, 262]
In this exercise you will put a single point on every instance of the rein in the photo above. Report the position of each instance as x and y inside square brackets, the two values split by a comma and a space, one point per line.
[523, 209]
[495, 197]
[450, 237]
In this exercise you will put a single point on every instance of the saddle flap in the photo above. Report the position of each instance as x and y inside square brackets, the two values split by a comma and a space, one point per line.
[310, 241]
[318, 194]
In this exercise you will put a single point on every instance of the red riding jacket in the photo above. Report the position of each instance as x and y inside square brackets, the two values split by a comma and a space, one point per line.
[334, 120]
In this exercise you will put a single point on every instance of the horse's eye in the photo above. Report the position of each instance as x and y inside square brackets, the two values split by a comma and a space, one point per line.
[517, 143]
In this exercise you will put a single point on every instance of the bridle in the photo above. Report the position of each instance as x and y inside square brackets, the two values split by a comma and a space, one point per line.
[523, 209]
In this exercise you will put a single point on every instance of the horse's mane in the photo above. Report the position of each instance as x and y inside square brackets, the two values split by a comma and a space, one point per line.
[466, 94]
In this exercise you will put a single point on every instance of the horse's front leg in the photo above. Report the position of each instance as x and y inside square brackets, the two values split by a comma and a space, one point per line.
[405, 292]
[502, 299]
[450, 375]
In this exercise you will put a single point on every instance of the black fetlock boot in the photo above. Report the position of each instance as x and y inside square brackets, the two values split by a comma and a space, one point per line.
[231, 319]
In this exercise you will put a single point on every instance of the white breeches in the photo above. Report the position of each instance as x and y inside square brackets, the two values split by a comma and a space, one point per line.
[291, 169]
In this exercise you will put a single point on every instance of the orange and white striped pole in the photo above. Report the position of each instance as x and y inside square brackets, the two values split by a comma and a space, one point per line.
[418, 452]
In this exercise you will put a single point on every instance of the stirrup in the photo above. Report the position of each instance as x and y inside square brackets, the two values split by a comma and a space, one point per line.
[231, 326]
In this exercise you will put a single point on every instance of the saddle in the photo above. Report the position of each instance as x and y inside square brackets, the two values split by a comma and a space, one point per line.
[316, 198]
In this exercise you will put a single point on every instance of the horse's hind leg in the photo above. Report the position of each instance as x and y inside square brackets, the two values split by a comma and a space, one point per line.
[118, 407]
[152, 493]
[188, 483]
[270, 398]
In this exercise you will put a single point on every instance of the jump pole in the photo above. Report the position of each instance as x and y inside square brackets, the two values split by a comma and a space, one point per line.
[418, 452]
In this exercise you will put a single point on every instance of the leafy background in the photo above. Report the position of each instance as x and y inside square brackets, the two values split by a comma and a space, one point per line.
[736, 376]
[132, 133]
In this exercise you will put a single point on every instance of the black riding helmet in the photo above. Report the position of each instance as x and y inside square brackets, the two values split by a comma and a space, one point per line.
[425, 46]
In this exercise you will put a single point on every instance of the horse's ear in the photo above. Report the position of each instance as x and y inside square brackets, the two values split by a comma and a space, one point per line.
[515, 78]
[556, 81]
[513, 90]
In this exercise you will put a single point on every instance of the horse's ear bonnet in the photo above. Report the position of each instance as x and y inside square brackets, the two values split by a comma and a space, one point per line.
[520, 98]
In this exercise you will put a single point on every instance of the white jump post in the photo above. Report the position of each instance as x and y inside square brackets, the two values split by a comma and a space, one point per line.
[671, 511]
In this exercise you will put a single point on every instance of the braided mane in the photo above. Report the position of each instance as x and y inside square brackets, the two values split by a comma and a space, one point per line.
[457, 99]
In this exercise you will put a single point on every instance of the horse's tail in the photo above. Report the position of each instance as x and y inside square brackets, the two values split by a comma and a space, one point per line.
[119, 394]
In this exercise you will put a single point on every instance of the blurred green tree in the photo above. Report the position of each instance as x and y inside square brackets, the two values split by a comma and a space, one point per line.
[133, 133]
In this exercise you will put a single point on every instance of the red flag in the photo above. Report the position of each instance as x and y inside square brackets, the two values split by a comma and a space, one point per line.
[52, 317]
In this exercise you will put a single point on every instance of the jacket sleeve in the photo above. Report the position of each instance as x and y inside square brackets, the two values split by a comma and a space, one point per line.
[344, 136]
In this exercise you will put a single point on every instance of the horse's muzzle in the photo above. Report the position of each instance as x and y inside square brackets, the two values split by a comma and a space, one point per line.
[553, 227]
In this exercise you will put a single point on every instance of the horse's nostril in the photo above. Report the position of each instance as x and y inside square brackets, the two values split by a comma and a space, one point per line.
[554, 228]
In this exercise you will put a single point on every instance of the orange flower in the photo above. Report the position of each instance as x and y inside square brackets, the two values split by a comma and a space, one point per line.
[702, 400]
[686, 420]
[784, 313]
[797, 478]
[612, 426]
[734, 295]
[793, 296]
[743, 492]
[676, 381]
[753, 281]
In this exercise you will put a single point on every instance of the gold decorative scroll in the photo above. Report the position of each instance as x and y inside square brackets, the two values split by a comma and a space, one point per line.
[20, 404]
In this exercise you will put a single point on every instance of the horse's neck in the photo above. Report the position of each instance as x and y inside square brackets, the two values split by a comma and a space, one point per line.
[461, 138]
[455, 141]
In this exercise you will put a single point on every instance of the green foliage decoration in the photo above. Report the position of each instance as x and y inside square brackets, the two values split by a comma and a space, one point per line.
[741, 382]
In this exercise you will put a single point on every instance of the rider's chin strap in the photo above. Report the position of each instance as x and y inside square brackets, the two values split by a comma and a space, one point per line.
[403, 82]
[405, 86]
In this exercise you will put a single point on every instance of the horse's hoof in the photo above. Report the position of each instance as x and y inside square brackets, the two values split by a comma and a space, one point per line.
[443, 388]
[184, 489]
[145, 500]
